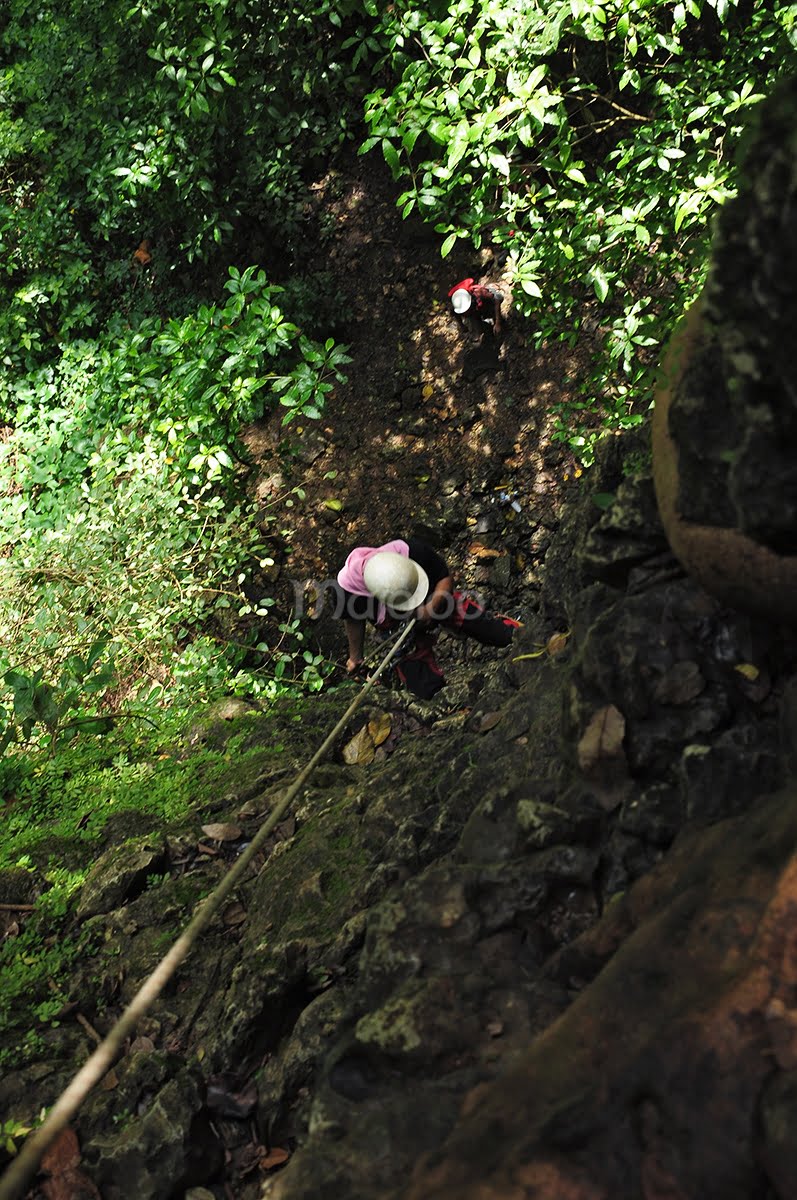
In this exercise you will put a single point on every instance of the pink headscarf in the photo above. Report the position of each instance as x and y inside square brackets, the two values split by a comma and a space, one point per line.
[350, 576]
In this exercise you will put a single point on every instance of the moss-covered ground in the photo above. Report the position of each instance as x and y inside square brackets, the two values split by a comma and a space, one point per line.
[61, 812]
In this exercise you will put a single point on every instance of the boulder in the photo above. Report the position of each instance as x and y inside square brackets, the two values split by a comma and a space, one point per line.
[121, 874]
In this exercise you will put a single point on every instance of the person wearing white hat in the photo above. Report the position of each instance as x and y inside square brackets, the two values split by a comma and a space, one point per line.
[403, 579]
[477, 304]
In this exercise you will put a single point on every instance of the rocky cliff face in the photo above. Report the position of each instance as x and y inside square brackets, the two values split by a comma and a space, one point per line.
[580, 988]
[543, 948]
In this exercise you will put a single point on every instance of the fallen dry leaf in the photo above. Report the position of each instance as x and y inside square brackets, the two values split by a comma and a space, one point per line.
[556, 643]
[428, 391]
[477, 550]
[234, 914]
[274, 1158]
[109, 1081]
[489, 721]
[379, 727]
[142, 1045]
[601, 743]
[495, 1028]
[62, 1162]
[224, 832]
[286, 829]
[63, 1154]
[360, 750]
[749, 671]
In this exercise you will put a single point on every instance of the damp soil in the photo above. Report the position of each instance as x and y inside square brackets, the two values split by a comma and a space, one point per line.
[436, 432]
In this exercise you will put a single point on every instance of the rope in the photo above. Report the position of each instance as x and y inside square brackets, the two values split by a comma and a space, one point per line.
[24, 1166]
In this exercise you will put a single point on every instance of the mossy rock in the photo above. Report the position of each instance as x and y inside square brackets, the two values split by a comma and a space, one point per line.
[121, 874]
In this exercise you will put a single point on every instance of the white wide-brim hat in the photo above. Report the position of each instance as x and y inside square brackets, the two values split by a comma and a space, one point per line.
[461, 300]
[398, 582]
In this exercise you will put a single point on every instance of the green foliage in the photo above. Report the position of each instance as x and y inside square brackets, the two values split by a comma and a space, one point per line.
[115, 517]
[588, 139]
[58, 708]
[177, 122]
[57, 810]
[125, 383]
[11, 1132]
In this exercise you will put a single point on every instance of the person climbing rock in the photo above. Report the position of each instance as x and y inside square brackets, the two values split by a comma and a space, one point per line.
[389, 584]
[478, 306]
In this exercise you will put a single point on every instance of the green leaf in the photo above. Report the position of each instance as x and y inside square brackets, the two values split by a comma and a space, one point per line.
[531, 288]
[600, 283]
[391, 156]
[457, 150]
[409, 138]
[499, 161]
[448, 245]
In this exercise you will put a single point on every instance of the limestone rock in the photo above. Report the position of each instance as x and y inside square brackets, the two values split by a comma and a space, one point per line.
[153, 1152]
[626, 534]
[120, 874]
[649, 1084]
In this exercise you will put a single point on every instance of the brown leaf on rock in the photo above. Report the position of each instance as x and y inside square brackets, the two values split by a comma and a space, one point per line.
[274, 1158]
[142, 1045]
[286, 829]
[63, 1154]
[360, 750]
[601, 743]
[379, 728]
[489, 721]
[234, 914]
[62, 1162]
[222, 832]
[252, 809]
[477, 550]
